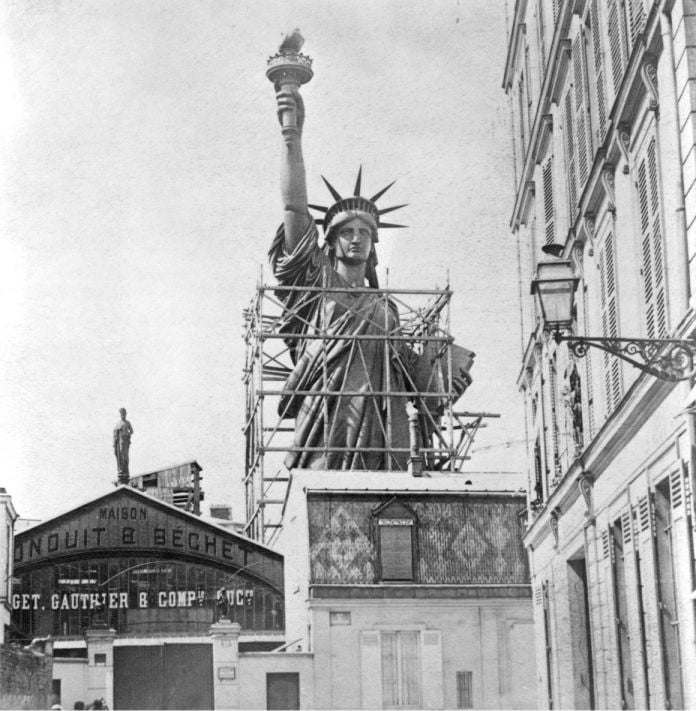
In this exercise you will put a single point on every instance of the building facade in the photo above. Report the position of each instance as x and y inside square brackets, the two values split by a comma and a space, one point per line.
[141, 598]
[410, 592]
[602, 101]
[8, 516]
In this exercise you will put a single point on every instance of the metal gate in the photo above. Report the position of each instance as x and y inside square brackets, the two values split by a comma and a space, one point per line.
[163, 676]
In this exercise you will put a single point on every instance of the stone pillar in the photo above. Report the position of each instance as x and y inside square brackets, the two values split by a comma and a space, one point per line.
[100, 664]
[225, 636]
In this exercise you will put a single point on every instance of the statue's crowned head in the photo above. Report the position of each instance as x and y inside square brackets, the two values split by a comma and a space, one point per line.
[356, 206]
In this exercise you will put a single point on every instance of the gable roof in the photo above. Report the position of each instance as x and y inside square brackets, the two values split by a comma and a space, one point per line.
[126, 521]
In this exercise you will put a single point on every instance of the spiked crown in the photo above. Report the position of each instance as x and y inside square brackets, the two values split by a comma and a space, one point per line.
[355, 203]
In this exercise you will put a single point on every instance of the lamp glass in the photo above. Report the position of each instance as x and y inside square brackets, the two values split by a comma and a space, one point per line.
[555, 287]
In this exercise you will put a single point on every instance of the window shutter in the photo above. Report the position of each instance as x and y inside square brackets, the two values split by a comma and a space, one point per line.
[553, 424]
[570, 155]
[600, 91]
[589, 388]
[610, 325]
[617, 41]
[636, 12]
[465, 696]
[581, 119]
[431, 651]
[523, 114]
[370, 670]
[653, 270]
[547, 183]
[541, 39]
[676, 489]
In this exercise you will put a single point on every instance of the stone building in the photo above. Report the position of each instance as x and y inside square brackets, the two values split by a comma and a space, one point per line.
[602, 100]
[411, 592]
[8, 516]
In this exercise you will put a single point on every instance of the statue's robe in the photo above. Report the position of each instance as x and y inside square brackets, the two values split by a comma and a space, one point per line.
[354, 424]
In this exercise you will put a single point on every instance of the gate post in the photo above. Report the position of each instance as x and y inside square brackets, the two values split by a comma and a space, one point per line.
[100, 664]
[225, 636]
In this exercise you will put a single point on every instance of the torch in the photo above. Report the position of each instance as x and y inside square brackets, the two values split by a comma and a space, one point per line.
[288, 70]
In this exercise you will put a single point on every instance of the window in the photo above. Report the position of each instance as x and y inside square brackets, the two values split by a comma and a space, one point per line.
[400, 670]
[395, 525]
[597, 55]
[610, 322]
[619, 537]
[653, 269]
[547, 184]
[465, 697]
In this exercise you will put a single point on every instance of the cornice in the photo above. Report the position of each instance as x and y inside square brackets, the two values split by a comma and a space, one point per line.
[560, 72]
[543, 137]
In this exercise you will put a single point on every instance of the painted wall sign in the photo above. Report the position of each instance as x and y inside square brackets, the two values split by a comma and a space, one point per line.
[122, 600]
[124, 523]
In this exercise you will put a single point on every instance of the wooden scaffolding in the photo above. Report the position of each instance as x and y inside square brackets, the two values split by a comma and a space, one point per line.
[423, 329]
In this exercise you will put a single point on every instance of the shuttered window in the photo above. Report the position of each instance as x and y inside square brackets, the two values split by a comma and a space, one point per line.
[589, 389]
[582, 123]
[667, 603]
[598, 64]
[618, 40]
[400, 670]
[623, 633]
[541, 39]
[523, 115]
[538, 475]
[570, 154]
[547, 184]
[396, 552]
[653, 267]
[553, 424]
[636, 18]
[610, 322]
[556, 8]
[465, 696]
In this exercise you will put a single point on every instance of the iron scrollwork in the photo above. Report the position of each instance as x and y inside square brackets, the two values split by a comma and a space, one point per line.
[667, 359]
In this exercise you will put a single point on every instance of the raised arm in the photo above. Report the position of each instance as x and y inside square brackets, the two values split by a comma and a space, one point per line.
[293, 185]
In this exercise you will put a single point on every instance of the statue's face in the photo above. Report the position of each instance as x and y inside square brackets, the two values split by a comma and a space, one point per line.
[353, 241]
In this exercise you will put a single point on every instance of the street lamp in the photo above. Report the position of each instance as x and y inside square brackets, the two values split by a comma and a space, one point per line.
[554, 286]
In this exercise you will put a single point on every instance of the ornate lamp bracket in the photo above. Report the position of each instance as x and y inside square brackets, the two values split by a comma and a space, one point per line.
[585, 482]
[648, 73]
[665, 358]
[624, 143]
[608, 183]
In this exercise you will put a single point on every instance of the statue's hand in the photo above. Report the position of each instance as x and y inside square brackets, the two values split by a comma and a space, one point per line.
[291, 100]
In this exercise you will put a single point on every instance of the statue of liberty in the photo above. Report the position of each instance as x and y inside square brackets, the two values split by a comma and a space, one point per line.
[340, 389]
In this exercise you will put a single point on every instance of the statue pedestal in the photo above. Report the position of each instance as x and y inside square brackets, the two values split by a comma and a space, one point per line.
[225, 636]
[100, 664]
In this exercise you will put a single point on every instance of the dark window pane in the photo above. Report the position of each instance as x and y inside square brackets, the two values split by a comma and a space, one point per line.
[396, 553]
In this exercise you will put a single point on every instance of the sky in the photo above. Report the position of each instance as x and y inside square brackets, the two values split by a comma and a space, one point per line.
[139, 192]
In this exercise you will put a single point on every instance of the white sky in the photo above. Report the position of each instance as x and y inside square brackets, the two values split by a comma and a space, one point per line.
[139, 158]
